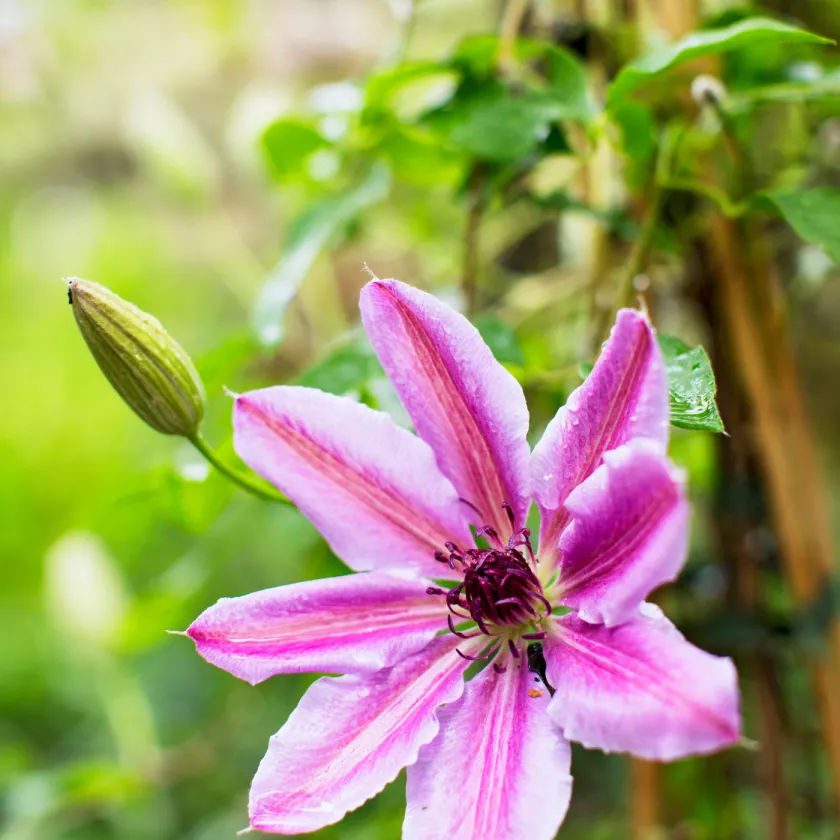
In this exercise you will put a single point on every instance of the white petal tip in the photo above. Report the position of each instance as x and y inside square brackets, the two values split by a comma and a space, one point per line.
[247, 830]
[177, 632]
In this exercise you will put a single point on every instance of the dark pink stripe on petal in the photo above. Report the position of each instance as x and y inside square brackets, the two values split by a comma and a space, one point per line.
[460, 399]
[640, 688]
[628, 534]
[349, 737]
[353, 624]
[498, 769]
[371, 488]
[625, 396]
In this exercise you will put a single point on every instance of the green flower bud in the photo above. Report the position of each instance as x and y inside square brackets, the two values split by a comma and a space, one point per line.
[146, 366]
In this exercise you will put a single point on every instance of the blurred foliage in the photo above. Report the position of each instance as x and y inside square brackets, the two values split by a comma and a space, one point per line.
[232, 167]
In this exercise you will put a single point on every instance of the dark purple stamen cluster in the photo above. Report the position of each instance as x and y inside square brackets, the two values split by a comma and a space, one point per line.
[499, 588]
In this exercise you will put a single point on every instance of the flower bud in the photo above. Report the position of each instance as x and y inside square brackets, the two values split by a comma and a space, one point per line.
[708, 90]
[146, 366]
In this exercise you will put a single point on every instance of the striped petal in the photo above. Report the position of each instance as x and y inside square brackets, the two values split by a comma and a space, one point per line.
[370, 487]
[498, 769]
[353, 624]
[628, 534]
[640, 688]
[349, 737]
[625, 396]
[460, 399]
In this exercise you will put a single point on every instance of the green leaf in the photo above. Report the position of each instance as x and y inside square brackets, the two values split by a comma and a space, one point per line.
[408, 89]
[813, 214]
[309, 236]
[502, 129]
[288, 145]
[504, 122]
[568, 87]
[489, 122]
[638, 131]
[752, 32]
[691, 384]
[477, 55]
[418, 157]
[348, 366]
[500, 338]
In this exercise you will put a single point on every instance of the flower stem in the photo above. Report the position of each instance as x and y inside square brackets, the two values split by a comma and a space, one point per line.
[636, 262]
[237, 477]
[508, 33]
[475, 211]
[641, 248]
[668, 141]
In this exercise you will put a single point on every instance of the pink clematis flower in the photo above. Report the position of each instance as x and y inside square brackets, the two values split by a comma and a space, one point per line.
[489, 759]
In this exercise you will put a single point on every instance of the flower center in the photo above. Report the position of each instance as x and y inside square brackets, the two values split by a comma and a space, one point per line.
[500, 588]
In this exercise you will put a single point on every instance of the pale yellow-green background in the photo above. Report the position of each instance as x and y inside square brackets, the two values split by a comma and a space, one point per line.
[129, 155]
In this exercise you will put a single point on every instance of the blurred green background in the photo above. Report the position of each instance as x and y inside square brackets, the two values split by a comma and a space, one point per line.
[140, 147]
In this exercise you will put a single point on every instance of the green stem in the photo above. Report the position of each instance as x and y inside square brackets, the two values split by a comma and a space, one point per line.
[641, 248]
[240, 478]
[407, 22]
[731, 209]
[638, 258]
[508, 33]
[475, 211]
[668, 140]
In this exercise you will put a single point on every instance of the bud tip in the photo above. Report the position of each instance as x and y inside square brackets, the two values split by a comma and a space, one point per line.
[708, 90]
[70, 282]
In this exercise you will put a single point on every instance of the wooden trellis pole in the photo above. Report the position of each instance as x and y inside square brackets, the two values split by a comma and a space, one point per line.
[751, 307]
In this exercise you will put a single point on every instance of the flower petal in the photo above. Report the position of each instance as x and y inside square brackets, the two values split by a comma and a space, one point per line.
[357, 623]
[460, 399]
[371, 488]
[625, 396]
[499, 768]
[640, 688]
[628, 534]
[349, 737]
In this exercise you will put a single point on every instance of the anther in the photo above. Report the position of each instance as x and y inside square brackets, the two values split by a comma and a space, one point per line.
[492, 652]
[491, 533]
[509, 511]
[500, 588]
[469, 504]
[458, 633]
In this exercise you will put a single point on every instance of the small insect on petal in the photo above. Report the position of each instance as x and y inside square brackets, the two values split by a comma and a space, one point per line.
[537, 664]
